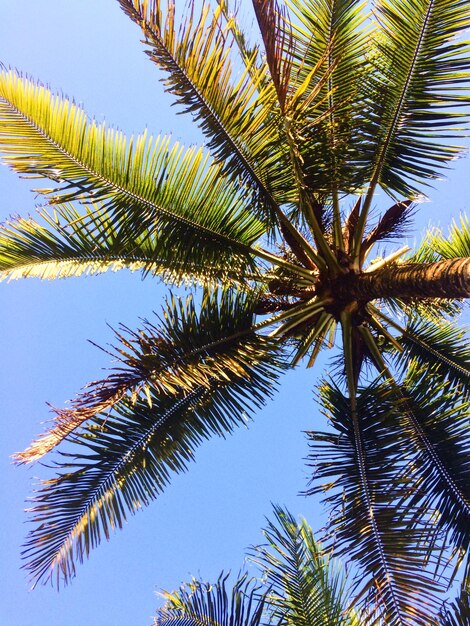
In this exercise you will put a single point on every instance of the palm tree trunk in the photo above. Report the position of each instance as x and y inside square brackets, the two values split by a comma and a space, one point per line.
[444, 279]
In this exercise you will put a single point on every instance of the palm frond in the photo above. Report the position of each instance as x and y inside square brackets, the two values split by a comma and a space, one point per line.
[144, 184]
[442, 347]
[331, 36]
[67, 242]
[437, 246]
[203, 604]
[241, 119]
[305, 585]
[457, 612]
[425, 67]
[279, 44]
[187, 350]
[361, 469]
[237, 115]
[417, 86]
[125, 449]
[435, 424]
[248, 50]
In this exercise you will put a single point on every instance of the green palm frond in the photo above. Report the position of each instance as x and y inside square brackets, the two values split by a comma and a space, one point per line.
[332, 100]
[331, 36]
[242, 119]
[67, 242]
[436, 441]
[360, 467]
[306, 586]
[443, 347]
[294, 99]
[176, 386]
[299, 584]
[144, 183]
[424, 67]
[237, 114]
[203, 604]
[417, 84]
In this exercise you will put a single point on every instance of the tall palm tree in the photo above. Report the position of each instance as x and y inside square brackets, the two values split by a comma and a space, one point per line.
[274, 226]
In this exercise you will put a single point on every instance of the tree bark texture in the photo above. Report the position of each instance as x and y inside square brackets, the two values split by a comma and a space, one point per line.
[444, 279]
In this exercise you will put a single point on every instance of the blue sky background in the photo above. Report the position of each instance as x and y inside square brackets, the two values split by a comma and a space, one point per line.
[90, 51]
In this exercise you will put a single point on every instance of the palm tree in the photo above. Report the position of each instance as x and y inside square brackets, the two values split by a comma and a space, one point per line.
[273, 225]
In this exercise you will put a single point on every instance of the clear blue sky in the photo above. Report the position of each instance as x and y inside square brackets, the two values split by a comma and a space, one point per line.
[90, 51]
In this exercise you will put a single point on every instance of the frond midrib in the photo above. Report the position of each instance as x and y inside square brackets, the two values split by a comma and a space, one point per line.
[378, 167]
[145, 262]
[360, 463]
[365, 488]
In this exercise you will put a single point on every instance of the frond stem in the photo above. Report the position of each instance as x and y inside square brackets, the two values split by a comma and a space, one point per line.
[351, 375]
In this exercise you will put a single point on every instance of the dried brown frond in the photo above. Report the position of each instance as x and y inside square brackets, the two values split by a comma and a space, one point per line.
[276, 31]
[85, 406]
[389, 223]
[349, 227]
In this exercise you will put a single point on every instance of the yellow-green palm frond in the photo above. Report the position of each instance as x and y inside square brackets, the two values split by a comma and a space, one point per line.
[305, 585]
[217, 604]
[437, 246]
[298, 583]
[146, 184]
[68, 242]
[238, 114]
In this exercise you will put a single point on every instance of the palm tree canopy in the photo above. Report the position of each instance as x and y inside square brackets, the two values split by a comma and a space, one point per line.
[273, 226]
